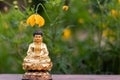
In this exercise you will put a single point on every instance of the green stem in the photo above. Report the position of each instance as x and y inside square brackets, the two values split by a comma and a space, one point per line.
[99, 5]
[100, 34]
[43, 9]
[100, 30]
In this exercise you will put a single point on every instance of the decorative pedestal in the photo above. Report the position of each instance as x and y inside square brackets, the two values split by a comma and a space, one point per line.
[37, 75]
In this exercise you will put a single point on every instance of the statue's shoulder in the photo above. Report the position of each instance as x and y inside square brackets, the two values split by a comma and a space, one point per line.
[43, 44]
[31, 44]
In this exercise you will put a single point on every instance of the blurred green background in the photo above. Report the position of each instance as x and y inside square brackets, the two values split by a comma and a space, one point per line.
[85, 39]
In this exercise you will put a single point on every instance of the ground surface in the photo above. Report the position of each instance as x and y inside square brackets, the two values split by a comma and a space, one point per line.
[65, 77]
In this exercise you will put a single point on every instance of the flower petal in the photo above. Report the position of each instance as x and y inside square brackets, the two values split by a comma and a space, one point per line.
[31, 20]
[39, 20]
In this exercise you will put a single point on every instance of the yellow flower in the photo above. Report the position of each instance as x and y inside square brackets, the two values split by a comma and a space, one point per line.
[36, 19]
[65, 7]
[114, 13]
[66, 34]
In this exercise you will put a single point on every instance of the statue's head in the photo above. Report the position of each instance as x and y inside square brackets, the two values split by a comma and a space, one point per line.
[37, 36]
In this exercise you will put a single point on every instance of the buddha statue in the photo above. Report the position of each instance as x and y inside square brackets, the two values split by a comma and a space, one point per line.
[37, 63]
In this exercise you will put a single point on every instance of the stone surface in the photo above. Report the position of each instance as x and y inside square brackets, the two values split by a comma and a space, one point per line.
[64, 77]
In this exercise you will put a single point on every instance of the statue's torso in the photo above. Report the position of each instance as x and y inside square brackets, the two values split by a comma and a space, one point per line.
[37, 58]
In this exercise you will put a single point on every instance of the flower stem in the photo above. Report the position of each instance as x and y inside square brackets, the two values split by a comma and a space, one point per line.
[43, 9]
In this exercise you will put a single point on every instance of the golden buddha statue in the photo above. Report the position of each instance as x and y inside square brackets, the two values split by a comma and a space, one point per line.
[37, 62]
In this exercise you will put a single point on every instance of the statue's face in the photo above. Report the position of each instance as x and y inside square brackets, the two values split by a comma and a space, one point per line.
[37, 38]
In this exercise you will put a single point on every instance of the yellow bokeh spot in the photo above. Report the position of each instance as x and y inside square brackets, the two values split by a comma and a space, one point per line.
[114, 13]
[66, 34]
[119, 1]
[65, 7]
[81, 21]
[107, 33]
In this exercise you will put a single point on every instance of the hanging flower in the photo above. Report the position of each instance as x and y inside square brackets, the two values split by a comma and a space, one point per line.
[65, 7]
[66, 34]
[36, 19]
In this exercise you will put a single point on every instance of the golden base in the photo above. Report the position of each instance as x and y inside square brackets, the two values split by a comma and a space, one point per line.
[37, 75]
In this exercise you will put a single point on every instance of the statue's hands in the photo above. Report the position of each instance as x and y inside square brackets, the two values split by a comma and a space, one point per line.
[43, 49]
[33, 54]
